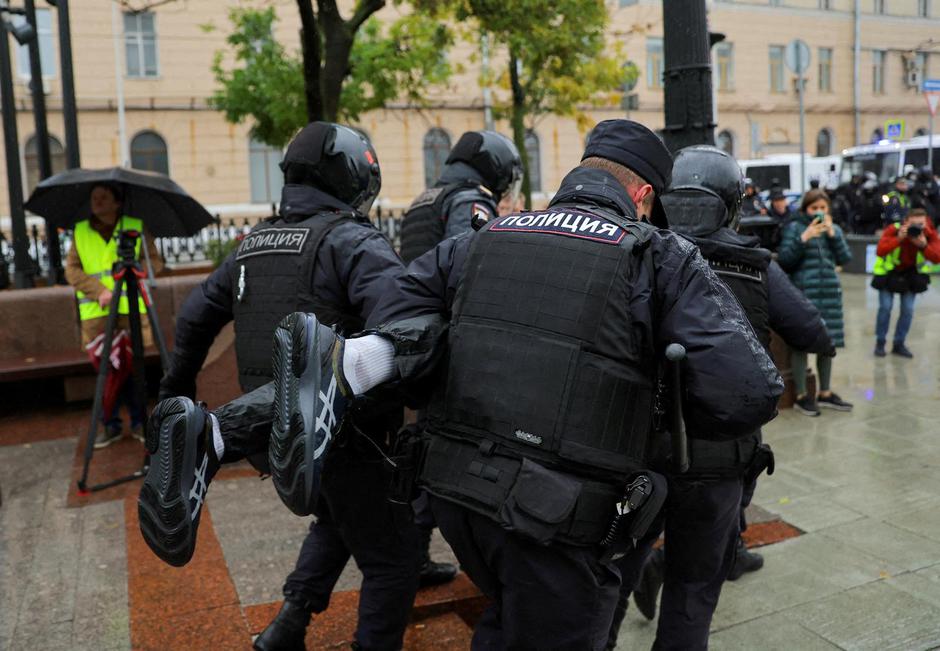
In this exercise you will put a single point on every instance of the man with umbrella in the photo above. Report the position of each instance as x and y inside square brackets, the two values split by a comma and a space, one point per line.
[88, 269]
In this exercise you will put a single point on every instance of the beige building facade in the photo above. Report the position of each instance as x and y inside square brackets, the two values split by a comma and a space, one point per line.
[165, 58]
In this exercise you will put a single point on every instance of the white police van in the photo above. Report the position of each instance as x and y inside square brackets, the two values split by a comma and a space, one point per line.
[784, 170]
[887, 159]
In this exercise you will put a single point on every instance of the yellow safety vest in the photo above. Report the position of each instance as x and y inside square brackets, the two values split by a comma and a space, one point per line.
[98, 256]
[886, 264]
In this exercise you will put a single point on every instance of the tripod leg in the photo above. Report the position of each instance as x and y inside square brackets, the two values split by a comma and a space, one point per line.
[137, 346]
[154, 324]
[103, 368]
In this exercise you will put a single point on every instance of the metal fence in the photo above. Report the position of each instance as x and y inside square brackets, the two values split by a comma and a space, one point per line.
[207, 246]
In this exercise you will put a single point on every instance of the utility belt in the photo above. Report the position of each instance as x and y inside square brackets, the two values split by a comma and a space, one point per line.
[523, 496]
[746, 457]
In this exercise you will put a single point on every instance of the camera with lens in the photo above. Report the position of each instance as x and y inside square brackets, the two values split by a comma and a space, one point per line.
[127, 244]
[914, 231]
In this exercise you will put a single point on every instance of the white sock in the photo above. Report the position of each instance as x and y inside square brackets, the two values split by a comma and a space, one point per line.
[367, 362]
[217, 437]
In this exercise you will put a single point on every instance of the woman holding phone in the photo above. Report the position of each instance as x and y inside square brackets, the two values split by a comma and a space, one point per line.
[811, 248]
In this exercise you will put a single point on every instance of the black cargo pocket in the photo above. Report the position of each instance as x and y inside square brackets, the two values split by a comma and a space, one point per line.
[539, 502]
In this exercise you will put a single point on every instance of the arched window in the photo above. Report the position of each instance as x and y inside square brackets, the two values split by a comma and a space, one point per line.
[436, 150]
[877, 135]
[725, 141]
[922, 131]
[534, 155]
[31, 159]
[824, 142]
[148, 152]
[266, 177]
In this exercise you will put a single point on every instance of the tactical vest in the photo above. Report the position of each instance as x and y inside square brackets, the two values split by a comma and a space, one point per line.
[749, 285]
[97, 257]
[424, 223]
[548, 396]
[273, 276]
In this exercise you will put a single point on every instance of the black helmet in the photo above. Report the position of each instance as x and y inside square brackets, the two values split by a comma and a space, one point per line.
[494, 156]
[336, 159]
[925, 173]
[706, 191]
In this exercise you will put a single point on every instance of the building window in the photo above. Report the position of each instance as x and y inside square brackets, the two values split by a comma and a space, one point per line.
[148, 152]
[825, 69]
[31, 159]
[724, 64]
[920, 62]
[47, 51]
[776, 3]
[825, 5]
[627, 3]
[534, 155]
[267, 180]
[436, 150]
[878, 72]
[824, 142]
[725, 141]
[879, 6]
[140, 44]
[776, 68]
[923, 8]
[654, 63]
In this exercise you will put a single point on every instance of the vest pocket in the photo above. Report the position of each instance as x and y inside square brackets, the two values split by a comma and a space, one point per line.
[539, 502]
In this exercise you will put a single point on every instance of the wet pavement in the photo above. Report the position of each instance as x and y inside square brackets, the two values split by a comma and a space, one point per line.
[858, 567]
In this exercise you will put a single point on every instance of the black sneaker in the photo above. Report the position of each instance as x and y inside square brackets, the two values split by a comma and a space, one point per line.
[744, 561]
[107, 434]
[287, 630]
[310, 398]
[880, 349]
[806, 406]
[182, 463]
[833, 401]
[902, 351]
[646, 594]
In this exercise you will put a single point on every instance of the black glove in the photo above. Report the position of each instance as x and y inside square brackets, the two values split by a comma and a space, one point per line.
[172, 385]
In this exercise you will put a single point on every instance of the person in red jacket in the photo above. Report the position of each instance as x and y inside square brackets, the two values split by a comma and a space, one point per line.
[904, 253]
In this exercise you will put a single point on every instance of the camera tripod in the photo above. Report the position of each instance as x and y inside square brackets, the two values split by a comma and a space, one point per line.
[127, 275]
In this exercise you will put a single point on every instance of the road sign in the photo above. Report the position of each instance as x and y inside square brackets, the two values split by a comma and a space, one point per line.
[932, 93]
[894, 129]
[796, 56]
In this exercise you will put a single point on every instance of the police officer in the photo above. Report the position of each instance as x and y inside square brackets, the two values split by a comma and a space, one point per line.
[482, 167]
[926, 193]
[705, 506]
[542, 411]
[896, 202]
[321, 254]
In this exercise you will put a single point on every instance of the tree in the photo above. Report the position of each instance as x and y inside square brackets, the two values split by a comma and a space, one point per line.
[349, 67]
[556, 59]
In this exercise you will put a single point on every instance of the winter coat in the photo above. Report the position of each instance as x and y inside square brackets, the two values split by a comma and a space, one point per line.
[812, 268]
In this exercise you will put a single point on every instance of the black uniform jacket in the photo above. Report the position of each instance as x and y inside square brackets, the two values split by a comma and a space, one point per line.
[354, 265]
[732, 385]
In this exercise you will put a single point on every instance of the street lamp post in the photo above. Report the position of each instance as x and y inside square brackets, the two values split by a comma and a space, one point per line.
[69, 110]
[23, 276]
[56, 273]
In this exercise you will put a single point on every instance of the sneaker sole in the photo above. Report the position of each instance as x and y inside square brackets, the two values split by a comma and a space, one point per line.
[824, 405]
[292, 449]
[163, 508]
[805, 412]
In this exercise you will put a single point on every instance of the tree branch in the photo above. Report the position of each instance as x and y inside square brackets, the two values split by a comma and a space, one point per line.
[364, 9]
[310, 47]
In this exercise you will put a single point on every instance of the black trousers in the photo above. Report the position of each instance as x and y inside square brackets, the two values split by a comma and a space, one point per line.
[701, 522]
[354, 518]
[545, 597]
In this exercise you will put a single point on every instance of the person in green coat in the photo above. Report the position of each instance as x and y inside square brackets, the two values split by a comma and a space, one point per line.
[811, 247]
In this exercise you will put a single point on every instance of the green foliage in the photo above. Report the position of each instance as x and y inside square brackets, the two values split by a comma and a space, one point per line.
[398, 61]
[266, 83]
[217, 251]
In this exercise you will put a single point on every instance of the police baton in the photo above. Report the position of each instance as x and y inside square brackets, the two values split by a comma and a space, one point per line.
[675, 353]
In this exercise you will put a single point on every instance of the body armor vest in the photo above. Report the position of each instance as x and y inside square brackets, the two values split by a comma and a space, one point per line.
[546, 379]
[749, 285]
[424, 223]
[273, 276]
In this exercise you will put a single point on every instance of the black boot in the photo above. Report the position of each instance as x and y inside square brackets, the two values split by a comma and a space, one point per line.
[286, 631]
[432, 573]
[744, 561]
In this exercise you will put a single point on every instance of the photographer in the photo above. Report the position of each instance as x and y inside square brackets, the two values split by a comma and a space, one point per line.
[904, 251]
[88, 269]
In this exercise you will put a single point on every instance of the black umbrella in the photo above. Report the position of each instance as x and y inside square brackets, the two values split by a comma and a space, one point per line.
[163, 206]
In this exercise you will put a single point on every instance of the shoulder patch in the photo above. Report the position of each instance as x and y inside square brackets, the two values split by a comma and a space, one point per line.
[580, 225]
[273, 240]
[480, 215]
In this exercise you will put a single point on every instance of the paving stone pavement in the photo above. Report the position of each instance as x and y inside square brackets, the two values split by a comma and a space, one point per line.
[864, 487]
